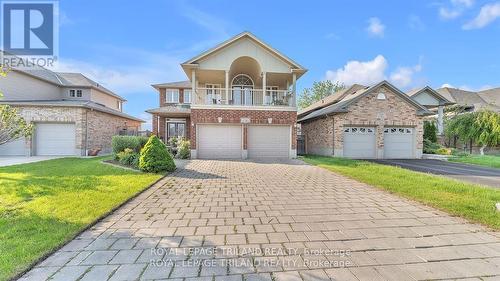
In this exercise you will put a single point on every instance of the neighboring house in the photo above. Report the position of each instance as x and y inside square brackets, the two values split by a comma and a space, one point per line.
[71, 113]
[433, 101]
[365, 122]
[473, 101]
[239, 102]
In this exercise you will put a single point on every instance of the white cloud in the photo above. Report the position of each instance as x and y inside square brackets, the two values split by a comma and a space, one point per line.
[375, 27]
[455, 9]
[488, 14]
[373, 71]
[367, 72]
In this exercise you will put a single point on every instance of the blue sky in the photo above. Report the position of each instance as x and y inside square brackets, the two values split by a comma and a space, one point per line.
[129, 45]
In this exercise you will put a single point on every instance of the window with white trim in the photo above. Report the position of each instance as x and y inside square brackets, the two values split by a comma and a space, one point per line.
[171, 95]
[72, 93]
[187, 96]
[75, 93]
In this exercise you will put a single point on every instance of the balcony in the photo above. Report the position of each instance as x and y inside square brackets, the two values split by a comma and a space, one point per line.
[243, 97]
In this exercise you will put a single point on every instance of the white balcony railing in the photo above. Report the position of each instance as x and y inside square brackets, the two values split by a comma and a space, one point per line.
[243, 97]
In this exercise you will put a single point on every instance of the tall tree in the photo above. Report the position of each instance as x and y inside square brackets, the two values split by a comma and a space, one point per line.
[318, 91]
[12, 125]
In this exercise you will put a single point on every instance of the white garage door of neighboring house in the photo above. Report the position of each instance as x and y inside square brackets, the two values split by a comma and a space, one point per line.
[269, 141]
[359, 142]
[55, 139]
[219, 141]
[399, 143]
[14, 148]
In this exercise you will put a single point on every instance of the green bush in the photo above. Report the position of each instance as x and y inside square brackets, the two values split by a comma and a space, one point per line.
[443, 151]
[173, 141]
[128, 157]
[120, 143]
[155, 157]
[183, 149]
[430, 147]
[430, 131]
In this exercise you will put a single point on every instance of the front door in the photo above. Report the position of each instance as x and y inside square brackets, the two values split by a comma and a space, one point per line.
[176, 129]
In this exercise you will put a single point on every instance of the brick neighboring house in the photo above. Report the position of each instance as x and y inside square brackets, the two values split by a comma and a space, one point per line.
[365, 122]
[239, 102]
[71, 113]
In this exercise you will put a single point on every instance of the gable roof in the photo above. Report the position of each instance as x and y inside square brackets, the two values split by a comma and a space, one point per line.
[344, 103]
[328, 100]
[251, 36]
[491, 96]
[73, 79]
[415, 92]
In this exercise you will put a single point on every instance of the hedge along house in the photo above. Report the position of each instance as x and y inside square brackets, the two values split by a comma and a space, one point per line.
[239, 102]
[365, 122]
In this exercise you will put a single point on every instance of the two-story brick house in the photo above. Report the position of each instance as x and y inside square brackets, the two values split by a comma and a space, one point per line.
[239, 102]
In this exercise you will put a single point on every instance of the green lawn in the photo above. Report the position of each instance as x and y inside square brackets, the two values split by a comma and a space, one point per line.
[483, 160]
[473, 202]
[44, 204]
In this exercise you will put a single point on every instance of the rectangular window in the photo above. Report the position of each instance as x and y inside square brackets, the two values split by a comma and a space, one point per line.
[187, 96]
[78, 93]
[119, 105]
[72, 93]
[172, 96]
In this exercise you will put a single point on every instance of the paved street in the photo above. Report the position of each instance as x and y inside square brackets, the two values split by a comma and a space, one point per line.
[225, 220]
[465, 172]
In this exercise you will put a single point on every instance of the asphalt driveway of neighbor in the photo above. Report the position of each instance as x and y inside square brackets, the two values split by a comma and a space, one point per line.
[242, 220]
[466, 172]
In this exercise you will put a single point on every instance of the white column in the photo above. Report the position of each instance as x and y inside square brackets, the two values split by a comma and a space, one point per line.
[294, 88]
[227, 86]
[193, 85]
[440, 120]
[264, 86]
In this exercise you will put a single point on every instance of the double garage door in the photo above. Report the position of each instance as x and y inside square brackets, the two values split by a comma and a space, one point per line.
[226, 141]
[49, 139]
[360, 142]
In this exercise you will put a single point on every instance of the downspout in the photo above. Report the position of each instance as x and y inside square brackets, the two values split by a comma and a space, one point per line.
[333, 133]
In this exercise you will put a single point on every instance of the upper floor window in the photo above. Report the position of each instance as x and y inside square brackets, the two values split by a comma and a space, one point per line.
[187, 96]
[119, 105]
[75, 93]
[172, 96]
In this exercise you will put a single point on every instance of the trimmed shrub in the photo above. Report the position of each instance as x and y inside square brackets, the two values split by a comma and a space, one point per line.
[155, 157]
[443, 151]
[120, 143]
[183, 149]
[430, 131]
[128, 157]
[430, 147]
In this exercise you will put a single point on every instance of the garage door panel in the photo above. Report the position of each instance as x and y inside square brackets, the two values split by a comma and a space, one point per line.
[14, 148]
[359, 142]
[55, 139]
[219, 142]
[269, 141]
[399, 143]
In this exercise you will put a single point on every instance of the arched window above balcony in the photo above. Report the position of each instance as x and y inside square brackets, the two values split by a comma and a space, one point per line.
[242, 80]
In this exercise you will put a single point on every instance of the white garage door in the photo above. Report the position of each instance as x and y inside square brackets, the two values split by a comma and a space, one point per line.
[269, 141]
[359, 142]
[219, 142]
[399, 143]
[55, 139]
[13, 148]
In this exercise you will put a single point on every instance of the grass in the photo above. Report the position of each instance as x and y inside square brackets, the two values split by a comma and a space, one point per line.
[483, 160]
[44, 204]
[473, 202]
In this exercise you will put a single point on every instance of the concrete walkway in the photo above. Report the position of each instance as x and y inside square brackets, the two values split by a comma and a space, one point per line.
[16, 160]
[227, 220]
[460, 171]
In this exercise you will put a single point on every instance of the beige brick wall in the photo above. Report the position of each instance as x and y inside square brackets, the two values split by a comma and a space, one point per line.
[101, 126]
[368, 111]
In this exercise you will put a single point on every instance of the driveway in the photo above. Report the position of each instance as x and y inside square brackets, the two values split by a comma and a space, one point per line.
[16, 160]
[273, 221]
[470, 173]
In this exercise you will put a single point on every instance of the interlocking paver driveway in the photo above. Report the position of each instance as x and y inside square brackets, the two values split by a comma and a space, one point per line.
[224, 220]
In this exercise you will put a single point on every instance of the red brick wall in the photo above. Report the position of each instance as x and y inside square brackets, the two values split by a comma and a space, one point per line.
[161, 128]
[162, 96]
[231, 116]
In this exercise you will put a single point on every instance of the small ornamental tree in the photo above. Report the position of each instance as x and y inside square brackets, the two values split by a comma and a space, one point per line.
[12, 125]
[318, 91]
[430, 131]
[487, 129]
[155, 157]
